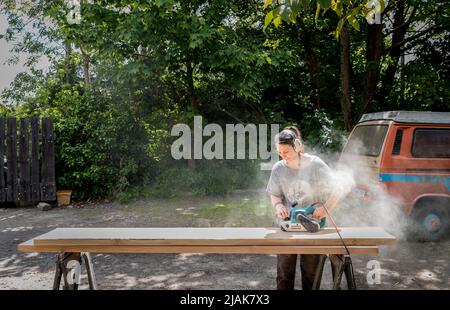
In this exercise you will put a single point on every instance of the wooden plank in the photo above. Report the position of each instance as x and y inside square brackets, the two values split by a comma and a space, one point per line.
[24, 164]
[43, 188]
[50, 159]
[2, 160]
[189, 236]
[11, 146]
[35, 192]
[48, 185]
[29, 246]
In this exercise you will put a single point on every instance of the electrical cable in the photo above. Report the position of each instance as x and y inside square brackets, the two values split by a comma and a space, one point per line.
[339, 234]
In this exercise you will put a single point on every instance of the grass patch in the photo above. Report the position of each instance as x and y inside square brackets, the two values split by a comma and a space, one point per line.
[227, 211]
[244, 212]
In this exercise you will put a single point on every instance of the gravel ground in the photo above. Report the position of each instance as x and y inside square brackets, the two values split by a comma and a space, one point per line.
[407, 265]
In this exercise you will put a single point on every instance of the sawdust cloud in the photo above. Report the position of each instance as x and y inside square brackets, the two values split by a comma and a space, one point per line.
[370, 205]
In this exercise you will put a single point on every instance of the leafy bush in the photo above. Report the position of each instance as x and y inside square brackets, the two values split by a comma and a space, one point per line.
[100, 146]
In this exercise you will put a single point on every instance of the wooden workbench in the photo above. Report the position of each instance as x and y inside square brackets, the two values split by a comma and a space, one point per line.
[74, 243]
[360, 240]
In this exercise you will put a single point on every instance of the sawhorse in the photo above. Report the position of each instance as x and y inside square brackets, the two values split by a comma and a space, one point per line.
[343, 264]
[68, 267]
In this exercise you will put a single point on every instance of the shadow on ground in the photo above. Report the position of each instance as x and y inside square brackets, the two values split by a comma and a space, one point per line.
[408, 265]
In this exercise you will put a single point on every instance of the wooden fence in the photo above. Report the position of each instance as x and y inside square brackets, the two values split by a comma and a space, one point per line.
[30, 176]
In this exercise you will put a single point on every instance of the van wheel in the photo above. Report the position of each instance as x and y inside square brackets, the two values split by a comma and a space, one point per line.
[431, 223]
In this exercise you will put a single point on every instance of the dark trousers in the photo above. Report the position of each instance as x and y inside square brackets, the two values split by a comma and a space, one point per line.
[286, 266]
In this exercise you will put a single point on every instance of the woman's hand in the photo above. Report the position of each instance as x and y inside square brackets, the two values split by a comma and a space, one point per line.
[282, 211]
[319, 213]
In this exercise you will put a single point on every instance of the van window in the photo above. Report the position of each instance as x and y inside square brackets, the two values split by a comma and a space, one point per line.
[397, 142]
[366, 140]
[433, 143]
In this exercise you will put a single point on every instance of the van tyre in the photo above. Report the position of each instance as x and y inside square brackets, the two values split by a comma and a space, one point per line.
[430, 223]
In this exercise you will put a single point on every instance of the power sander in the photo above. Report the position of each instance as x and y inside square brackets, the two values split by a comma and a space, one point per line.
[300, 219]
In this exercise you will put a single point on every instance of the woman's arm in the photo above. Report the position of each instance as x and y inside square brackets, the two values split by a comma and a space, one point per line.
[320, 212]
[281, 210]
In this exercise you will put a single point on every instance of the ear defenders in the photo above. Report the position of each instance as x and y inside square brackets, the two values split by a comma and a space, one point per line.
[298, 147]
[294, 141]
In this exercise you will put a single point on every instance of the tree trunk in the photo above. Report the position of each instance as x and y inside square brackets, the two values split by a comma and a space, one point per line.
[345, 77]
[86, 62]
[194, 106]
[313, 66]
[68, 64]
[395, 52]
[191, 90]
[373, 56]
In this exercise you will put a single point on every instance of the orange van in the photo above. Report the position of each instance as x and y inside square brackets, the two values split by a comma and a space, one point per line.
[409, 154]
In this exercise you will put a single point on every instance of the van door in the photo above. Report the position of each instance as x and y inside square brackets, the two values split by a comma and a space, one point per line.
[364, 146]
[362, 155]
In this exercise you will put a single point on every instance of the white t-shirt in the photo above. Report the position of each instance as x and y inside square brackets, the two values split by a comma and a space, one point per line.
[309, 184]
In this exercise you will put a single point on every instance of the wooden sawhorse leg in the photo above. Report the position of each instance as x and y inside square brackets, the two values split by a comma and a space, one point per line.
[342, 264]
[68, 268]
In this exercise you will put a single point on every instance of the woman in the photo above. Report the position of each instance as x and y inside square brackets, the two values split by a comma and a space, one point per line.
[305, 179]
